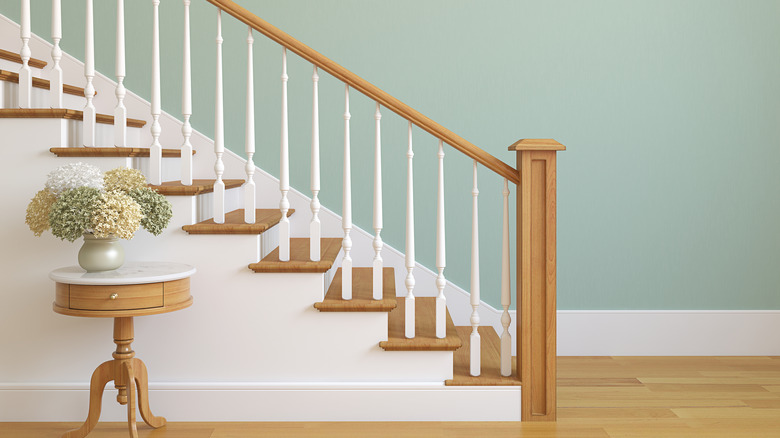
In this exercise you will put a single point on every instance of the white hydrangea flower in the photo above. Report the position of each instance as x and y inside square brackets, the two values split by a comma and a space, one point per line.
[71, 176]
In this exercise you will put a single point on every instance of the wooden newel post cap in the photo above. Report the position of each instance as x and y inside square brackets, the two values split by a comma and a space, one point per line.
[536, 144]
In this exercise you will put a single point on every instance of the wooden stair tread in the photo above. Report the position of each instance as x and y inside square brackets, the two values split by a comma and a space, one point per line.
[265, 218]
[112, 152]
[199, 186]
[425, 329]
[299, 257]
[9, 76]
[62, 113]
[15, 57]
[490, 373]
[362, 293]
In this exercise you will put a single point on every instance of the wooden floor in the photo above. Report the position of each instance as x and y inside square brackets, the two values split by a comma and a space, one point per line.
[705, 397]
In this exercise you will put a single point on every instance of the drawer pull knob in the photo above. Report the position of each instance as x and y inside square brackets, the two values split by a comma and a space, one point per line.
[114, 296]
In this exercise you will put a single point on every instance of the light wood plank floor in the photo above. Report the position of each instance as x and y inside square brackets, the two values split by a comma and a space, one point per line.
[702, 397]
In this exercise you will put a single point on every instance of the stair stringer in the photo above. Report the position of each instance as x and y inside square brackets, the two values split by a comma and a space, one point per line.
[54, 334]
[267, 185]
[251, 348]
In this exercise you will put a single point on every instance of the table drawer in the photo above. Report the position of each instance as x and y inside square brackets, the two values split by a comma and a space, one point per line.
[125, 297]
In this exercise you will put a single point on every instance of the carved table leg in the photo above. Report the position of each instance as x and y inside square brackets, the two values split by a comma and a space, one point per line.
[102, 375]
[127, 369]
[142, 382]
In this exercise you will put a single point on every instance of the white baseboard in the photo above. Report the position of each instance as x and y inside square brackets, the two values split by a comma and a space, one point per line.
[668, 332]
[185, 401]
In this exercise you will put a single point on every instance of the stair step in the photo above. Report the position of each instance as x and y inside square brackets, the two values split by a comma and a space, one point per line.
[425, 329]
[265, 218]
[15, 57]
[61, 113]
[199, 186]
[8, 76]
[299, 257]
[362, 293]
[490, 374]
[112, 152]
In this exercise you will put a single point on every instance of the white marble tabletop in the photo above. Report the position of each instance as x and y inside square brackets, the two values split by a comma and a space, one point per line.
[129, 273]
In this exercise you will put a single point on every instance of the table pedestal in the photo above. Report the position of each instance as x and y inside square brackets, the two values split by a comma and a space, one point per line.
[128, 373]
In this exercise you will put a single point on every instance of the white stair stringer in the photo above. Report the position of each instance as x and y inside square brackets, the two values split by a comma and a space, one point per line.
[252, 347]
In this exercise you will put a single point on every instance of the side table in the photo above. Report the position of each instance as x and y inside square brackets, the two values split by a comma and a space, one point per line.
[135, 289]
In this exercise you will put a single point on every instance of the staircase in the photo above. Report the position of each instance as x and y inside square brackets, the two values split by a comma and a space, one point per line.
[293, 318]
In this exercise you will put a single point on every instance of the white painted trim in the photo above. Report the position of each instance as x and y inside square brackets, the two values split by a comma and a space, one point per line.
[244, 386]
[668, 332]
[206, 401]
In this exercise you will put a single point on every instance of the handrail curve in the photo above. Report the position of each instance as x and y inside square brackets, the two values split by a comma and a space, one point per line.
[368, 89]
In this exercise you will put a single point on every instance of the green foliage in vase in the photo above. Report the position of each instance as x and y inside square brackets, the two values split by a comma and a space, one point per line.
[156, 209]
[71, 213]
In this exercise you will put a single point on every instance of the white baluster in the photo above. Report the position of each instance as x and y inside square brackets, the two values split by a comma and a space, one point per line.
[219, 133]
[346, 244]
[120, 112]
[315, 228]
[186, 102]
[89, 73]
[378, 262]
[475, 357]
[506, 298]
[155, 151]
[441, 255]
[284, 171]
[55, 81]
[25, 74]
[409, 327]
[249, 187]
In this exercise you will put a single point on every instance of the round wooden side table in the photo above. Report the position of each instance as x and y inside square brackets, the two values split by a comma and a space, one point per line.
[135, 289]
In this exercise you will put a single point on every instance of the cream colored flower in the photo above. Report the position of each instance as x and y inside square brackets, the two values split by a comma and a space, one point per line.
[38, 211]
[116, 214]
[123, 179]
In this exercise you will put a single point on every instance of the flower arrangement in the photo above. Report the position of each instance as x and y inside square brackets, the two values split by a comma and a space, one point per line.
[79, 198]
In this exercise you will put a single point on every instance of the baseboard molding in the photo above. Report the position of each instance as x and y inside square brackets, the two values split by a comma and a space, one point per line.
[188, 401]
[668, 332]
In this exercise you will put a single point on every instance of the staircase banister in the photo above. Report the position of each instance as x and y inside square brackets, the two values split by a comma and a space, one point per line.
[368, 89]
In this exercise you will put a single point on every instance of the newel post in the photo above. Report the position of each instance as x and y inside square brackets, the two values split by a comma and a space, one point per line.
[536, 277]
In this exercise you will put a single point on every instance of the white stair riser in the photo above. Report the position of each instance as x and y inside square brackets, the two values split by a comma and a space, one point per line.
[47, 133]
[234, 199]
[9, 97]
[170, 167]
[15, 66]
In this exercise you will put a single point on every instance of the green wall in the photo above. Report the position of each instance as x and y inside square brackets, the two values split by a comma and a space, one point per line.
[667, 194]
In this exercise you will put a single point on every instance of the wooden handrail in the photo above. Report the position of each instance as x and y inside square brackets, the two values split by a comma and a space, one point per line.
[368, 89]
